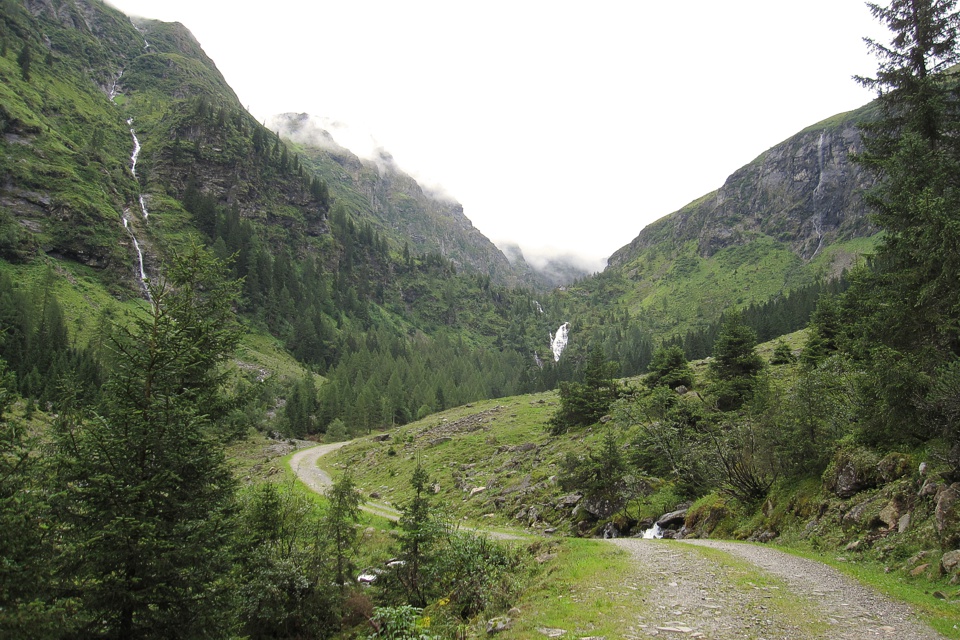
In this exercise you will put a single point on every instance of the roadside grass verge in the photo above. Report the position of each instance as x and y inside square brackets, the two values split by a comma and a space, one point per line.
[587, 589]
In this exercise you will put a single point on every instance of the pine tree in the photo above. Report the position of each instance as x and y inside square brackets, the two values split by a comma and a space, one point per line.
[669, 368]
[419, 531]
[903, 314]
[142, 491]
[735, 364]
[583, 404]
[339, 525]
[913, 148]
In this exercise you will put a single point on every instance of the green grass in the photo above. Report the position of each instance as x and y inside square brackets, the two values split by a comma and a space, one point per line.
[582, 590]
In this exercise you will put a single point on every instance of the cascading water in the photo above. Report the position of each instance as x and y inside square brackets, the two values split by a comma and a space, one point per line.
[113, 90]
[143, 206]
[559, 342]
[136, 245]
[818, 190]
[539, 308]
[136, 149]
[653, 533]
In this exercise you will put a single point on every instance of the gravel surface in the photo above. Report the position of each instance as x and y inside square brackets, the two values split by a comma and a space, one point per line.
[304, 464]
[700, 597]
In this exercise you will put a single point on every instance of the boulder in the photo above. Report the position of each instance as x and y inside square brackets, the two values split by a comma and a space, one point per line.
[672, 519]
[851, 471]
[601, 507]
[890, 515]
[947, 515]
[569, 501]
[894, 466]
[950, 562]
[863, 516]
[903, 524]
[498, 624]
[929, 489]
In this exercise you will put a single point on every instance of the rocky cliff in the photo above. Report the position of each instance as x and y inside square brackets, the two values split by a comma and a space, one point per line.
[805, 193]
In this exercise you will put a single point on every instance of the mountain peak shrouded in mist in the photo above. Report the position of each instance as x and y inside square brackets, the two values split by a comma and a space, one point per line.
[424, 214]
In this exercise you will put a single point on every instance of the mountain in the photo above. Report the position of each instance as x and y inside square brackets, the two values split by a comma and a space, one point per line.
[122, 142]
[403, 211]
[790, 218]
[123, 145]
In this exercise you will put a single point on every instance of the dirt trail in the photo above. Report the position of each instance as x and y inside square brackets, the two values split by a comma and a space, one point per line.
[304, 464]
[700, 595]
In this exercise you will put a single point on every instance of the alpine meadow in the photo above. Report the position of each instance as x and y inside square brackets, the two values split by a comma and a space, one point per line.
[253, 385]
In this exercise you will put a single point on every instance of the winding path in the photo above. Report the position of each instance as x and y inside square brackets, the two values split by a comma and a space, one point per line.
[304, 465]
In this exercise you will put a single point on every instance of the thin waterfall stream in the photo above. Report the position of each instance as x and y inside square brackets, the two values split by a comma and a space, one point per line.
[125, 216]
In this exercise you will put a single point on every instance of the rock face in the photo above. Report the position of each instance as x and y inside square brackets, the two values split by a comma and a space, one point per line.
[805, 192]
[948, 515]
[851, 471]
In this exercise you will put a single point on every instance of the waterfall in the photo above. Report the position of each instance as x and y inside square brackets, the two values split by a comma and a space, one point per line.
[539, 308]
[559, 342]
[136, 150]
[818, 191]
[143, 209]
[653, 533]
[140, 265]
[113, 90]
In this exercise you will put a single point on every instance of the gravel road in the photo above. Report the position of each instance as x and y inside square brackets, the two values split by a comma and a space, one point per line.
[701, 596]
[304, 464]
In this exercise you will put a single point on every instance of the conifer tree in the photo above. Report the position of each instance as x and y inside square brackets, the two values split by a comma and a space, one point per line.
[24, 60]
[142, 491]
[735, 363]
[339, 525]
[419, 531]
[903, 314]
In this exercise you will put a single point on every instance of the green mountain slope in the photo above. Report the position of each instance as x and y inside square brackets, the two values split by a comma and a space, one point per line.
[122, 143]
[793, 216]
[400, 208]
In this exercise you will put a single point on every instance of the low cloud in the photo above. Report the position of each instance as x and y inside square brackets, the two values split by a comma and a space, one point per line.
[555, 265]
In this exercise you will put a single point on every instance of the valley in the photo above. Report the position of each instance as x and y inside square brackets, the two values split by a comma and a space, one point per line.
[188, 295]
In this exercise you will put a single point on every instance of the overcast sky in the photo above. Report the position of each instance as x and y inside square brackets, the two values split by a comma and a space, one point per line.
[562, 126]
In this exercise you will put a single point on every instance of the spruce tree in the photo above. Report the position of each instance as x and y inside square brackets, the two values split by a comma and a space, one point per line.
[24, 60]
[913, 149]
[340, 526]
[902, 316]
[735, 364]
[142, 491]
